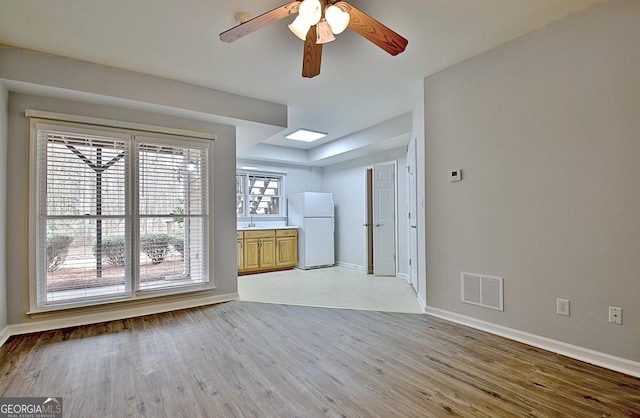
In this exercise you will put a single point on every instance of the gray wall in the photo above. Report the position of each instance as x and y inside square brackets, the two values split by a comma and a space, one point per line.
[418, 130]
[58, 84]
[547, 131]
[101, 84]
[4, 102]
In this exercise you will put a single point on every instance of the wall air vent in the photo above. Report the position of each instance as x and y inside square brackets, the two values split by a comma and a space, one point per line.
[482, 290]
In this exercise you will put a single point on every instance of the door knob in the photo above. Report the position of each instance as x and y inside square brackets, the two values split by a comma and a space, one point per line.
[379, 225]
[414, 227]
[366, 224]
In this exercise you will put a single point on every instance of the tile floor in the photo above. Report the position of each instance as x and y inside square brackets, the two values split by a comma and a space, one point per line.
[335, 287]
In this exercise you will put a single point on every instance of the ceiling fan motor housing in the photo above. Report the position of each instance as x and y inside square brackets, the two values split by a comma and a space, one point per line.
[345, 15]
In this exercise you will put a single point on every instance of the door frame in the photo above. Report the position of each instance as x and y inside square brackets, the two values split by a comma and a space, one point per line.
[368, 219]
[412, 205]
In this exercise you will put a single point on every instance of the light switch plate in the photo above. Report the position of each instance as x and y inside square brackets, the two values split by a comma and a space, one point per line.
[455, 175]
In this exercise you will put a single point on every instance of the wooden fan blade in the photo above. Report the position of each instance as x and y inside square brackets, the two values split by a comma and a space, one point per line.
[261, 21]
[312, 57]
[373, 30]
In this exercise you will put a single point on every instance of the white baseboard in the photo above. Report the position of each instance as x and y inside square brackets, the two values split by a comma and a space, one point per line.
[92, 318]
[350, 266]
[597, 358]
[4, 335]
[422, 303]
[404, 276]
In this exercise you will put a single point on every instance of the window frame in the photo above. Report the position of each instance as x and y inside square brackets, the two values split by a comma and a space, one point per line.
[135, 135]
[247, 194]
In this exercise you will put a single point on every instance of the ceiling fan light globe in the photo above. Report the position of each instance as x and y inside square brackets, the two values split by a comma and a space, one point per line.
[337, 19]
[323, 33]
[299, 28]
[310, 11]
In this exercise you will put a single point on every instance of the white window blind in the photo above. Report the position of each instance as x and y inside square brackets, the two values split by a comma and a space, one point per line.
[83, 205]
[172, 201]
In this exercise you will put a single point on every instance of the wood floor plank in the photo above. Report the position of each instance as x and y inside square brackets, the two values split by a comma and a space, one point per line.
[243, 359]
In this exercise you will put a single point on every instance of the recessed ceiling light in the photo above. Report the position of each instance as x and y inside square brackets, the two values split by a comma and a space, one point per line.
[305, 135]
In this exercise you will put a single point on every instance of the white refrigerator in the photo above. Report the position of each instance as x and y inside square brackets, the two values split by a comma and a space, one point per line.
[312, 213]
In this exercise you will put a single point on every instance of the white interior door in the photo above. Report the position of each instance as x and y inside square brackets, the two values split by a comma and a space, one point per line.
[384, 220]
[413, 212]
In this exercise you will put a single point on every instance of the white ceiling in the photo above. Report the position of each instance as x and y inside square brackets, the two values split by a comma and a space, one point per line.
[359, 86]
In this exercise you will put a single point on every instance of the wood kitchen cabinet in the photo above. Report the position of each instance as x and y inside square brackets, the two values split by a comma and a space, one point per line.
[259, 250]
[286, 247]
[267, 250]
[240, 250]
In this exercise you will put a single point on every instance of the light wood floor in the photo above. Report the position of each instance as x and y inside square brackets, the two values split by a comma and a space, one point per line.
[245, 359]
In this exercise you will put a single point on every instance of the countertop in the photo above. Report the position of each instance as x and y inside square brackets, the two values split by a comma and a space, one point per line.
[263, 228]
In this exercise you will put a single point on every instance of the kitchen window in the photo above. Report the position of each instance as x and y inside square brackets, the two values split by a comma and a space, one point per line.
[119, 214]
[259, 194]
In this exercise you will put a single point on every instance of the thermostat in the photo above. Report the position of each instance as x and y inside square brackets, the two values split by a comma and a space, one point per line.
[455, 175]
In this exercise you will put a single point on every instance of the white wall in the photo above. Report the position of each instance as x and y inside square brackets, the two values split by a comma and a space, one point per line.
[299, 178]
[347, 182]
[547, 131]
[4, 103]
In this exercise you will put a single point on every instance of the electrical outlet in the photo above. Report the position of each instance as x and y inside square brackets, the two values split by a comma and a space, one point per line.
[562, 307]
[615, 315]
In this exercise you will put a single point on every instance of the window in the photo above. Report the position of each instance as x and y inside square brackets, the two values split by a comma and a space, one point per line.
[259, 194]
[118, 214]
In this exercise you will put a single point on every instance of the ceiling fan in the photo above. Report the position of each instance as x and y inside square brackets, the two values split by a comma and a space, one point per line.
[316, 24]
